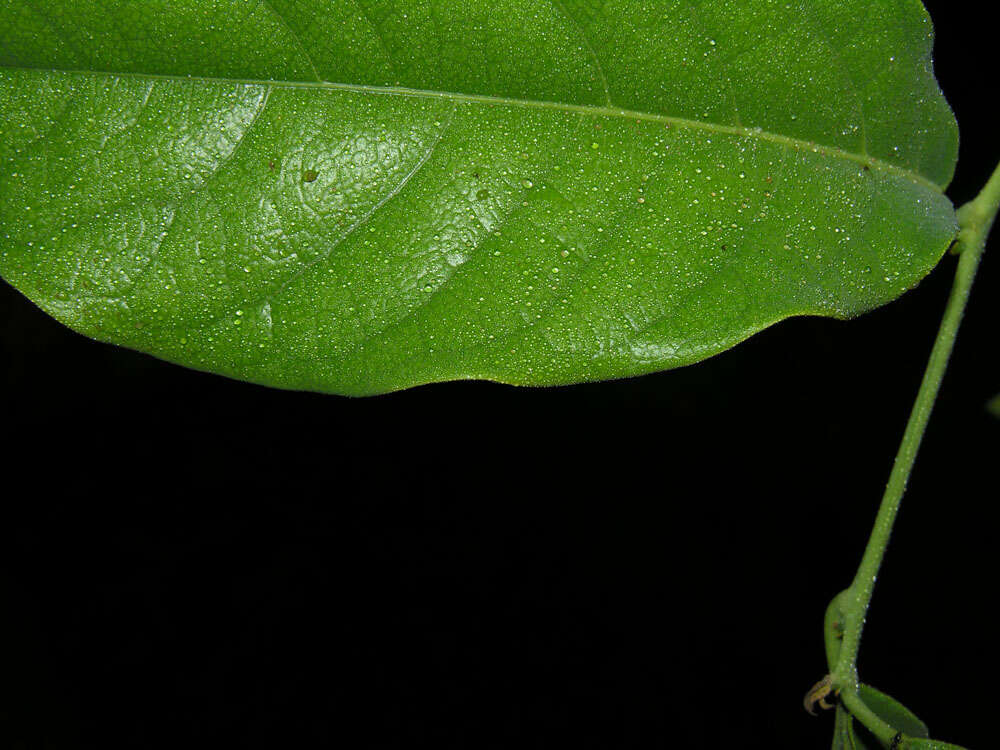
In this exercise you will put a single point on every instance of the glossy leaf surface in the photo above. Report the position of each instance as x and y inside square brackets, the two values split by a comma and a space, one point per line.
[892, 712]
[358, 196]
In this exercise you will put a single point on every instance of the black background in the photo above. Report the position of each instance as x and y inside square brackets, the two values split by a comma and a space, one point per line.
[192, 561]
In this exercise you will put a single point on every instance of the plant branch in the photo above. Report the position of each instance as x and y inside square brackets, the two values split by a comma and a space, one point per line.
[851, 606]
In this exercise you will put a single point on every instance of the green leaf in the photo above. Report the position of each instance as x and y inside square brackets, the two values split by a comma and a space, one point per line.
[892, 712]
[355, 196]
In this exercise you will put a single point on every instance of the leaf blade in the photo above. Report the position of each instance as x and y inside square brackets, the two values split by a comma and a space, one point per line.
[926, 744]
[894, 713]
[429, 242]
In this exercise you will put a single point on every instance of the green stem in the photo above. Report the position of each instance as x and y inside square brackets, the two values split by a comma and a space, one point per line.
[975, 220]
[860, 711]
[833, 629]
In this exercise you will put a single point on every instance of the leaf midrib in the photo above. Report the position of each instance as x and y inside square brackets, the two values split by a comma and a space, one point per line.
[592, 110]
